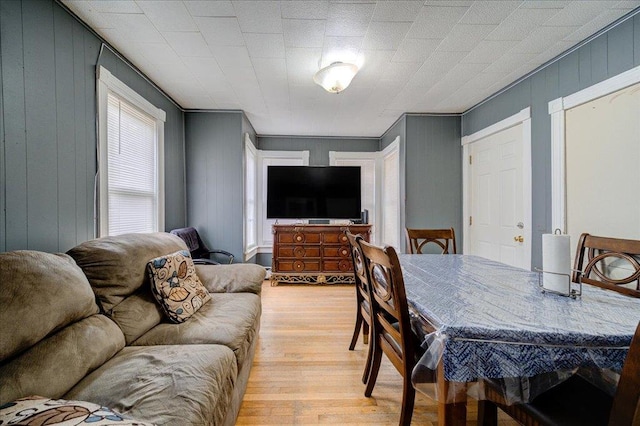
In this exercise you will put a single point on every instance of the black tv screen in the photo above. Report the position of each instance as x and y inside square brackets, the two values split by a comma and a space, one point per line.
[313, 192]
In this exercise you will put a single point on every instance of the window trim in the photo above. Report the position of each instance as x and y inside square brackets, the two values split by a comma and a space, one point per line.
[250, 149]
[264, 157]
[107, 82]
[376, 156]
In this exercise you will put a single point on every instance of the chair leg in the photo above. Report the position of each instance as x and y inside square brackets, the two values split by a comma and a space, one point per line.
[365, 332]
[487, 413]
[367, 364]
[375, 367]
[408, 399]
[356, 330]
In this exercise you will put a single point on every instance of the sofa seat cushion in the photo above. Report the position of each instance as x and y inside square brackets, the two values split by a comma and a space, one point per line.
[230, 319]
[176, 286]
[37, 410]
[55, 364]
[239, 277]
[165, 385]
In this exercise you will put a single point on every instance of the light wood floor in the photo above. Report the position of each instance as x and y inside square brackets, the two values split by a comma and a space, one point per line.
[303, 372]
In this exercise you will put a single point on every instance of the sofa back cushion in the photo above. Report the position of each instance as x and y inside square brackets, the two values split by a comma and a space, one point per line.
[116, 269]
[39, 294]
[52, 335]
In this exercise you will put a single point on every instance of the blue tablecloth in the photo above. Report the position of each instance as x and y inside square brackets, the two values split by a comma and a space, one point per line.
[492, 320]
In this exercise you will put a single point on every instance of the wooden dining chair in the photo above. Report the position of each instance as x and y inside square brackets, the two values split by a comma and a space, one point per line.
[363, 308]
[575, 401]
[417, 239]
[392, 333]
[610, 263]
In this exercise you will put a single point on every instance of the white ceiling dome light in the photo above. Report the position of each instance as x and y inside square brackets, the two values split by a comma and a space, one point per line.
[335, 77]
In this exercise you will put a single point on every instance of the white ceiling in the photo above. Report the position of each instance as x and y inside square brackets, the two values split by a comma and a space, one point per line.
[415, 56]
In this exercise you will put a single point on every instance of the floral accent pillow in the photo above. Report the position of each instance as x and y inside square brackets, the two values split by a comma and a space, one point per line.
[36, 410]
[176, 286]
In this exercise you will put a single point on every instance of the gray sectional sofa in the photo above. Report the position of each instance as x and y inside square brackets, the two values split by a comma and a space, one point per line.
[85, 326]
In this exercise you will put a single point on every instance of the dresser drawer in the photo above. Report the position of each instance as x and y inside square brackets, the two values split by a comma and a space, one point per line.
[335, 238]
[330, 265]
[298, 251]
[298, 238]
[336, 251]
[305, 265]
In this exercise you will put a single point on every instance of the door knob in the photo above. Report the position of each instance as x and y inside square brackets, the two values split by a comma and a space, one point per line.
[519, 239]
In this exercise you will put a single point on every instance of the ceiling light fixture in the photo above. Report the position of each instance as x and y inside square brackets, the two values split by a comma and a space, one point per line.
[336, 77]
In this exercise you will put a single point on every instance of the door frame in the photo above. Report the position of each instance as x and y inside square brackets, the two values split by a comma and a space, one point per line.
[523, 117]
[557, 108]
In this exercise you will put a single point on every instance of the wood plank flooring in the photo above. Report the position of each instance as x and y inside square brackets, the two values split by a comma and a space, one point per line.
[304, 374]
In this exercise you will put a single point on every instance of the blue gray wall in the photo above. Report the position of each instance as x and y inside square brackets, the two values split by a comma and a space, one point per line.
[430, 171]
[608, 55]
[433, 173]
[48, 127]
[318, 147]
[214, 149]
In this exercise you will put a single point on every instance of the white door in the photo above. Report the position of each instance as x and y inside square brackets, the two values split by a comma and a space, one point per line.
[497, 223]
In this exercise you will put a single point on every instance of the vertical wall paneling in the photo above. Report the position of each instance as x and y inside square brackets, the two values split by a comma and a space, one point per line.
[620, 48]
[65, 109]
[48, 156]
[599, 60]
[15, 149]
[434, 173]
[213, 142]
[584, 66]
[91, 50]
[636, 39]
[42, 167]
[3, 178]
[609, 54]
[569, 72]
[83, 149]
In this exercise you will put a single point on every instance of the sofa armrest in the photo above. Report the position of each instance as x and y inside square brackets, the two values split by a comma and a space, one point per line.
[235, 278]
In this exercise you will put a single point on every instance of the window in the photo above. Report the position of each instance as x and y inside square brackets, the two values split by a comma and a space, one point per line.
[368, 163]
[130, 160]
[257, 228]
[380, 189]
[266, 159]
[250, 196]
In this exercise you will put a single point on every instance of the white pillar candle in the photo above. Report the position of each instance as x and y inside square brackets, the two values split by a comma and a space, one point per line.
[556, 257]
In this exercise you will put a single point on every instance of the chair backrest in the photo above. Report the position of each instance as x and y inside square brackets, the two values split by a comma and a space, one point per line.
[626, 402]
[417, 239]
[610, 263]
[192, 239]
[359, 271]
[389, 306]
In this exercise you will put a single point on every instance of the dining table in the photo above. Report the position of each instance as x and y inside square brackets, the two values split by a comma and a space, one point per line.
[479, 318]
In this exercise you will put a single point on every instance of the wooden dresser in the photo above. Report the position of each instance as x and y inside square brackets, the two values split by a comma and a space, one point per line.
[313, 254]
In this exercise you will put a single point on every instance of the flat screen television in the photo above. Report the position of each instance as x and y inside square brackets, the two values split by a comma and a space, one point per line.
[313, 192]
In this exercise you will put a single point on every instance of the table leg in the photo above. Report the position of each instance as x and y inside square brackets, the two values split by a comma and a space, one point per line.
[452, 401]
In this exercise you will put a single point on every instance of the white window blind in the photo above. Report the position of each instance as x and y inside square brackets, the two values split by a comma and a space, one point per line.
[132, 168]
